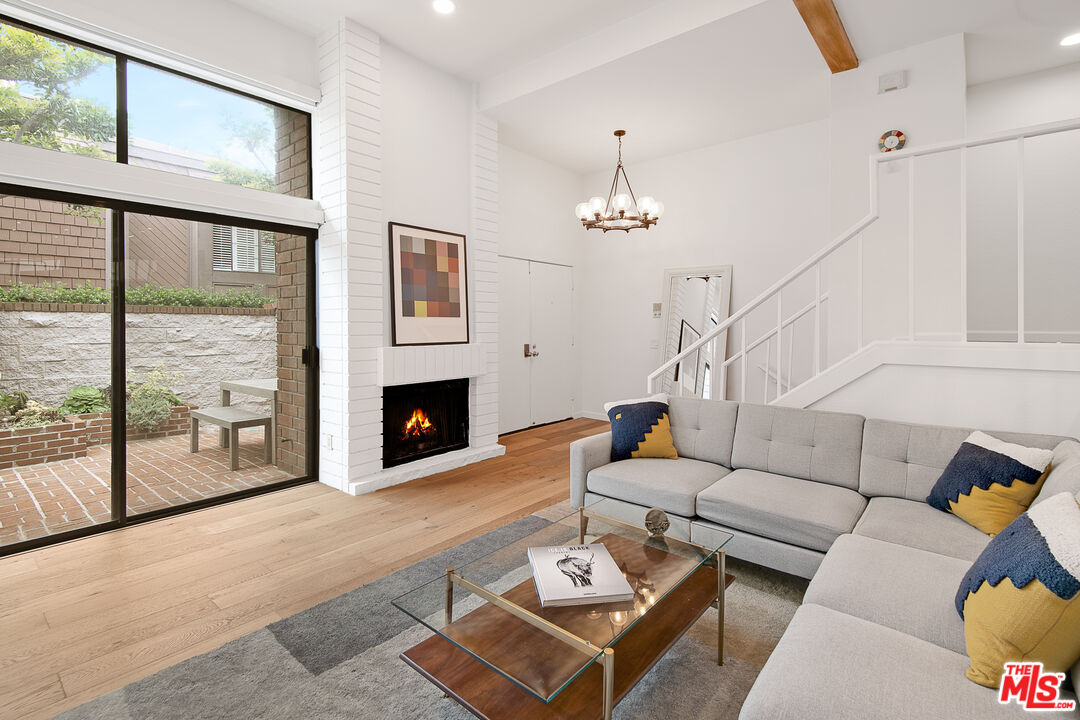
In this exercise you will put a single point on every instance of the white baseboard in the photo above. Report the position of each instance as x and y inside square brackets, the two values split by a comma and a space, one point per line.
[591, 415]
[423, 468]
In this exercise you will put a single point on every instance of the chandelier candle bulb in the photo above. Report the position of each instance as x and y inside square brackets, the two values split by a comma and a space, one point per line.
[622, 210]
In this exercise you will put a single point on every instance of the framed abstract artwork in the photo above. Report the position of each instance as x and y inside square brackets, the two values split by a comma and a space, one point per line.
[428, 287]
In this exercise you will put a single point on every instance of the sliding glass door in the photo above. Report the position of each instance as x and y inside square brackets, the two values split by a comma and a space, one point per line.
[55, 369]
[194, 389]
[214, 335]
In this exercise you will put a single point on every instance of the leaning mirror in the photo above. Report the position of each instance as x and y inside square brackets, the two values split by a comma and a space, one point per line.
[696, 300]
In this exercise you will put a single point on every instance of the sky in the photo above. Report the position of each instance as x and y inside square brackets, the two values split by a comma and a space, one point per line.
[182, 113]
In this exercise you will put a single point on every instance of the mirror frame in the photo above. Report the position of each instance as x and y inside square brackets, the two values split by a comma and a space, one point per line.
[722, 271]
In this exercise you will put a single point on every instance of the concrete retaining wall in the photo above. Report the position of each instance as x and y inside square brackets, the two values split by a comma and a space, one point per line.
[45, 352]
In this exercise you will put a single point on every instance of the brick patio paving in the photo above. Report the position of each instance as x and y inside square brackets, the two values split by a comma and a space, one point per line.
[48, 498]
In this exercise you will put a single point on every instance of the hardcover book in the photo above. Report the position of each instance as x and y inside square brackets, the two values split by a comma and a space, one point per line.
[577, 575]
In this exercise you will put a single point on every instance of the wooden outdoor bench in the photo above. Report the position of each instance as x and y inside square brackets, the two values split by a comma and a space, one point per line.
[231, 419]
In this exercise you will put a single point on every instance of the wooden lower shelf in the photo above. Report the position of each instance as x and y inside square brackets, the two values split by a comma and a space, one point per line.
[487, 694]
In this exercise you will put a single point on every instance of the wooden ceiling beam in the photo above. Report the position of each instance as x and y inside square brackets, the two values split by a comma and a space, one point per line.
[828, 32]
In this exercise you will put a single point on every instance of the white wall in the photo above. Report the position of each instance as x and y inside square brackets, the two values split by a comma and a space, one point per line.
[426, 135]
[759, 204]
[219, 33]
[536, 207]
[990, 399]
[1051, 213]
[929, 110]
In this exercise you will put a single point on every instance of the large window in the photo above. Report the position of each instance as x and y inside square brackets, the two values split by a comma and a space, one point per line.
[58, 94]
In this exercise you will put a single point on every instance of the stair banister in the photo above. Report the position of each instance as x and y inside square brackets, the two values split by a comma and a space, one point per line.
[779, 285]
[907, 155]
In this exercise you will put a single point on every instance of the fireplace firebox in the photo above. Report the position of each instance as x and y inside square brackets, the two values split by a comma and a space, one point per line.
[424, 419]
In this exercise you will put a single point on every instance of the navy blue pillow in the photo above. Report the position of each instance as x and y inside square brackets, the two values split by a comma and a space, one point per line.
[640, 429]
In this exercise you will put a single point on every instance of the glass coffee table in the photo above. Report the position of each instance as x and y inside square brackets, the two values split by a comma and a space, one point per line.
[501, 655]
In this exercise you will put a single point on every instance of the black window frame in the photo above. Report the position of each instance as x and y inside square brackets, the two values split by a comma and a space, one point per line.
[118, 316]
[121, 61]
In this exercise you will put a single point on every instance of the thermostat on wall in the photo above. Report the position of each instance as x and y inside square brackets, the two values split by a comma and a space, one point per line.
[892, 81]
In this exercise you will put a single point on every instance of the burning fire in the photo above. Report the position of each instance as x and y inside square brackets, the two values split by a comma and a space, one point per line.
[418, 425]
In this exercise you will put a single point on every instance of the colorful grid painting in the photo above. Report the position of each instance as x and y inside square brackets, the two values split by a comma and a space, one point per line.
[430, 278]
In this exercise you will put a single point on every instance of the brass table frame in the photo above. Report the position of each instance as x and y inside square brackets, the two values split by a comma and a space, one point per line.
[605, 655]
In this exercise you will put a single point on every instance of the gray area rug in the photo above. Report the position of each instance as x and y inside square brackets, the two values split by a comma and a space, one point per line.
[339, 659]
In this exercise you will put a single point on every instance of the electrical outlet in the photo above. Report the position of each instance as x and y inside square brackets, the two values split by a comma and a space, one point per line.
[657, 310]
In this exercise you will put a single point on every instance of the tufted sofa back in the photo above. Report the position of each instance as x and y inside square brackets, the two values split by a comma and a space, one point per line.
[703, 429]
[807, 444]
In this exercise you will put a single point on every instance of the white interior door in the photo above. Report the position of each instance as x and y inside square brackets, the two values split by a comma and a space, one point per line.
[551, 287]
[535, 343]
[515, 391]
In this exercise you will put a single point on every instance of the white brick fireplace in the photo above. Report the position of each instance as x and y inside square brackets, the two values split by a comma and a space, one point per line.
[357, 360]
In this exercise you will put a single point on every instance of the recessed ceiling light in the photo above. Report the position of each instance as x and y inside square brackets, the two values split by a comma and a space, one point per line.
[1068, 40]
[443, 7]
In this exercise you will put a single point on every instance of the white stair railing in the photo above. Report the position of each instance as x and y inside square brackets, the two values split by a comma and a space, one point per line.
[774, 338]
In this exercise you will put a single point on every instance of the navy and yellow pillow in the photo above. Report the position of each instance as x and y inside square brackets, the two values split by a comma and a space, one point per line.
[640, 428]
[1020, 601]
[989, 482]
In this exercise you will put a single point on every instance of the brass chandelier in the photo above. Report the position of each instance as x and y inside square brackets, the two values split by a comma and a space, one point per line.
[621, 210]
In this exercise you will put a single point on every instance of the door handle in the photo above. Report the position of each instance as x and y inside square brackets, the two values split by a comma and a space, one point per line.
[530, 351]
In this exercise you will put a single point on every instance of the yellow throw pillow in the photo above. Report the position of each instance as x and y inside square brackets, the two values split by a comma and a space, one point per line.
[1020, 601]
[989, 482]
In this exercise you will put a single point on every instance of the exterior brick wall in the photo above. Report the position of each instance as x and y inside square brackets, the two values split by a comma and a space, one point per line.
[40, 243]
[99, 426]
[70, 439]
[45, 443]
[291, 255]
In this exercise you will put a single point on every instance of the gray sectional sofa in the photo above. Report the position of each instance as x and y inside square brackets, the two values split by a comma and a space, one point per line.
[837, 498]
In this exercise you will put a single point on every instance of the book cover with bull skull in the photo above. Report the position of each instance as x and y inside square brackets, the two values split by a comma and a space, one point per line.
[577, 575]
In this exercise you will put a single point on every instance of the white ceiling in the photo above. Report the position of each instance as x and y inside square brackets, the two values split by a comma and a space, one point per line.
[700, 88]
[1003, 37]
[480, 39]
[560, 75]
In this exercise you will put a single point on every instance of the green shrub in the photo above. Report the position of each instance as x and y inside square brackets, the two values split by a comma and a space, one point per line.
[150, 401]
[13, 403]
[85, 399]
[148, 294]
[56, 293]
[34, 414]
[153, 294]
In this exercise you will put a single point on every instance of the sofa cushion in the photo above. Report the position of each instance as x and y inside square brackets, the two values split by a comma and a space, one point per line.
[671, 485]
[1021, 599]
[1064, 473]
[904, 460]
[806, 444]
[892, 585]
[801, 512]
[703, 429]
[916, 524]
[837, 666]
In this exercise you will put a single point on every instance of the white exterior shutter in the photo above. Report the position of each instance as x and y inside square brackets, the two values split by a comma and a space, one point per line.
[223, 247]
[267, 252]
[245, 250]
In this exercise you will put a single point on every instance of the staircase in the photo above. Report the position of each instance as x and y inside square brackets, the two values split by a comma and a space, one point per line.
[885, 305]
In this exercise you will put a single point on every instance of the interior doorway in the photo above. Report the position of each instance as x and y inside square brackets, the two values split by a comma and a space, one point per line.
[536, 343]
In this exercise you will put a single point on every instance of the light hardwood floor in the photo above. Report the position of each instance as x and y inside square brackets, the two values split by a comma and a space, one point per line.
[83, 618]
